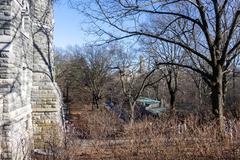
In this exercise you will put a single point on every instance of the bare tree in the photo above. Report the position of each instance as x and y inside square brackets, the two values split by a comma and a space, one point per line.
[96, 72]
[132, 81]
[208, 30]
[163, 52]
[69, 74]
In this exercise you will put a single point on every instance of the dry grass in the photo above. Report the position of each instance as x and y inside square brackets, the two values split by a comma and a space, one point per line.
[100, 135]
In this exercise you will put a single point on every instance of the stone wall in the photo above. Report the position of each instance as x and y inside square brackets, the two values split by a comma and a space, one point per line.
[45, 95]
[29, 100]
[15, 82]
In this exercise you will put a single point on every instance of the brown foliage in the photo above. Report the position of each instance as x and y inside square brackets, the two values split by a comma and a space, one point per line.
[163, 138]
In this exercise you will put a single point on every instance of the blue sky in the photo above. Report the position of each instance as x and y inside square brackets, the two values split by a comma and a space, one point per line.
[68, 26]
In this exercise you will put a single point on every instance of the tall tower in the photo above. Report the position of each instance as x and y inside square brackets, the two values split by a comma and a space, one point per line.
[29, 97]
[142, 68]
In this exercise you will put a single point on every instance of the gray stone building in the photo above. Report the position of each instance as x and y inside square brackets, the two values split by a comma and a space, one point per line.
[29, 98]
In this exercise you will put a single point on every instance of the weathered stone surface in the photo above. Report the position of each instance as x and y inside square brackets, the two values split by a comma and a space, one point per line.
[29, 98]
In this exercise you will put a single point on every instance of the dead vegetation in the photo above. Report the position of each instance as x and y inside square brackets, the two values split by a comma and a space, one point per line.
[99, 135]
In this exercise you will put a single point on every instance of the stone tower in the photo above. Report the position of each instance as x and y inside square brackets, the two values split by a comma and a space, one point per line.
[29, 98]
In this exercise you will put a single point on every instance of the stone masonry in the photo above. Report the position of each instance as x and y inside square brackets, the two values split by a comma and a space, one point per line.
[29, 98]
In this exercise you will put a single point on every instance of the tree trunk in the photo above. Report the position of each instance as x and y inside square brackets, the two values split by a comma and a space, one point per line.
[172, 93]
[132, 120]
[93, 101]
[156, 89]
[217, 95]
[96, 102]
[200, 95]
[172, 100]
[224, 88]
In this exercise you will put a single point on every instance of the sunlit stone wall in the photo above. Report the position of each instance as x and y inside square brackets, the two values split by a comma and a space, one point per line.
[45, 93]
[29, 97]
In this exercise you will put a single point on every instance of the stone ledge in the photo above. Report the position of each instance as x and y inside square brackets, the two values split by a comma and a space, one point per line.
[45, 109]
